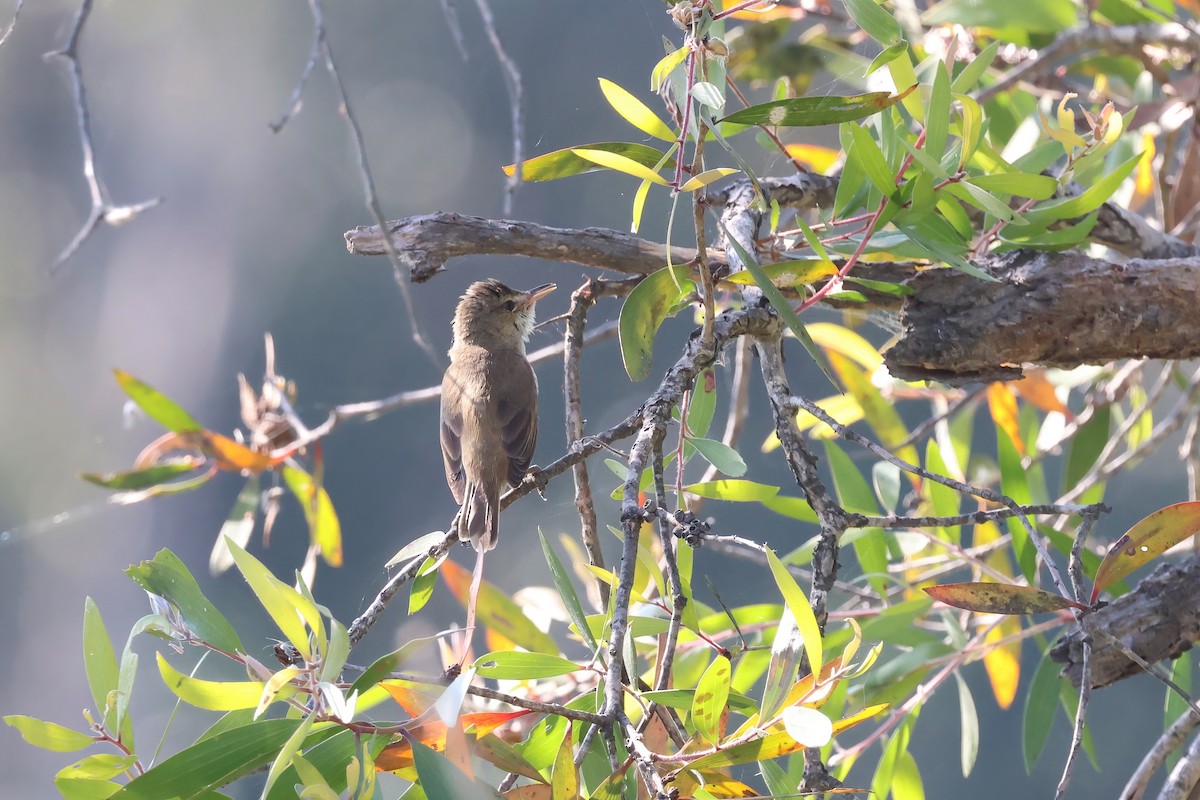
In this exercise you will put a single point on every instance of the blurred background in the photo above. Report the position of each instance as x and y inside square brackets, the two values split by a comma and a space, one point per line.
[249, 240]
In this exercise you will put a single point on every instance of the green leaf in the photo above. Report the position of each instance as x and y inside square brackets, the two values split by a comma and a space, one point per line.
[791, 507]
[937, 113]
[167, 577]
[49, 735]
[782, 307]
[1041, 703]
[702, 403]
[655, 298]
[797, 601]
[1028, 16]
[620, 163]
[99, 659]
[212, 762]
[1087, 201]
[440, 778]
[564, 163]
[720, 455]
[973, 72]
[635, 112]
[386, 665]
[738, 491]
[566, 591]
[1038, 187]
[287, 607]
[856, 495]
[422, 585]
[142, 478]
[712, 695]
[968, 726]
[518, 666]
[867, 153]
[283, 759]
[810, 111]
[158, 406]
[324, 530]
[875, 22]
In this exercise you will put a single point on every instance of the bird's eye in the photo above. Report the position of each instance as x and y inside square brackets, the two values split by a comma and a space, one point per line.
[509, 305]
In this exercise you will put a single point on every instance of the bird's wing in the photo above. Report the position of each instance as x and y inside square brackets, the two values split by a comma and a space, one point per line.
[451, 433]
[518, 417]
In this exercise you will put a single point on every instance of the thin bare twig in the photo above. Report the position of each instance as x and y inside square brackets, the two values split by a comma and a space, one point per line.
[451, 15]
[322, 49]
[512, 82]
[581, 300]
[12, 23]
[1171, 739]
[102, 209]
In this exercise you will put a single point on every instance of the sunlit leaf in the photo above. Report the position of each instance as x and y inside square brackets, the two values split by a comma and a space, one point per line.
[1148, 539]
[49, 735]
[705, 178]
[1003, 662]
[734, 490]
[818, 159]
[1000, 598]
[968, 726]
[324, 529]
[288, 608]
[620, 163]
[564, 163]
[875, 22]
[212, 695]
[712, 694]
[635, 112]
[797, 601]
[1003, 406]
[158, 406]
[808, 726]
[666, 66]
[520, 666]
[789, 273]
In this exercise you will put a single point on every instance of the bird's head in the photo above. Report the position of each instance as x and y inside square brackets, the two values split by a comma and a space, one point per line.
[492, 315]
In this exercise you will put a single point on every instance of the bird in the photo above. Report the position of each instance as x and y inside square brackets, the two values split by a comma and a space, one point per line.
[489, 415]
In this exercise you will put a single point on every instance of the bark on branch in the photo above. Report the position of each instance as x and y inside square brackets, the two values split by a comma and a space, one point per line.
[1052, 309]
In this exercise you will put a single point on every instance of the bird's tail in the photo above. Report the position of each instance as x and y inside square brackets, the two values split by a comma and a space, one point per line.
[479, 519]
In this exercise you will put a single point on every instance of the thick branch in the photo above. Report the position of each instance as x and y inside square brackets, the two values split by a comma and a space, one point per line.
[1053, 309]
[1158, 620]
[428, 241]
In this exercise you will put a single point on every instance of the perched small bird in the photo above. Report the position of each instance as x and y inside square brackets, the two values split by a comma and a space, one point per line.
[489, 404]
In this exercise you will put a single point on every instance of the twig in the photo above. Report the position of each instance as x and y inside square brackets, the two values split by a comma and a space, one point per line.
[581, 300]
[451, 15]
[1171, 739]
[321, 47]
[964, 488]
[102, 209]
[512, 82]
[12, 23]
[1182, 781]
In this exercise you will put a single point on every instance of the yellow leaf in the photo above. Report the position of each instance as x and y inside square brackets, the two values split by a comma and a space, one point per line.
[818, 159]
[1143, 183]
[635, 112]
[880, 414]
[1003, 663]
[1003, 406]
[1148, 539]
[840, 339]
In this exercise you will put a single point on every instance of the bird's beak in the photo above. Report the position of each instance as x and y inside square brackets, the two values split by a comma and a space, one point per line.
[537, 293]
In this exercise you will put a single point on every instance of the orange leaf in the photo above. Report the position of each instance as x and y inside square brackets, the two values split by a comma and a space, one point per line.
[1037, 390]
[536, 791]
[398, 755]
[1146, 540]
[231, 455]
[484, 722]
[1003, 406]
[1000, 598]
[411, 699]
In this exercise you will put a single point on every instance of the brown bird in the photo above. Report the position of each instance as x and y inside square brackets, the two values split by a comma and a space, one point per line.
[489, 404]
